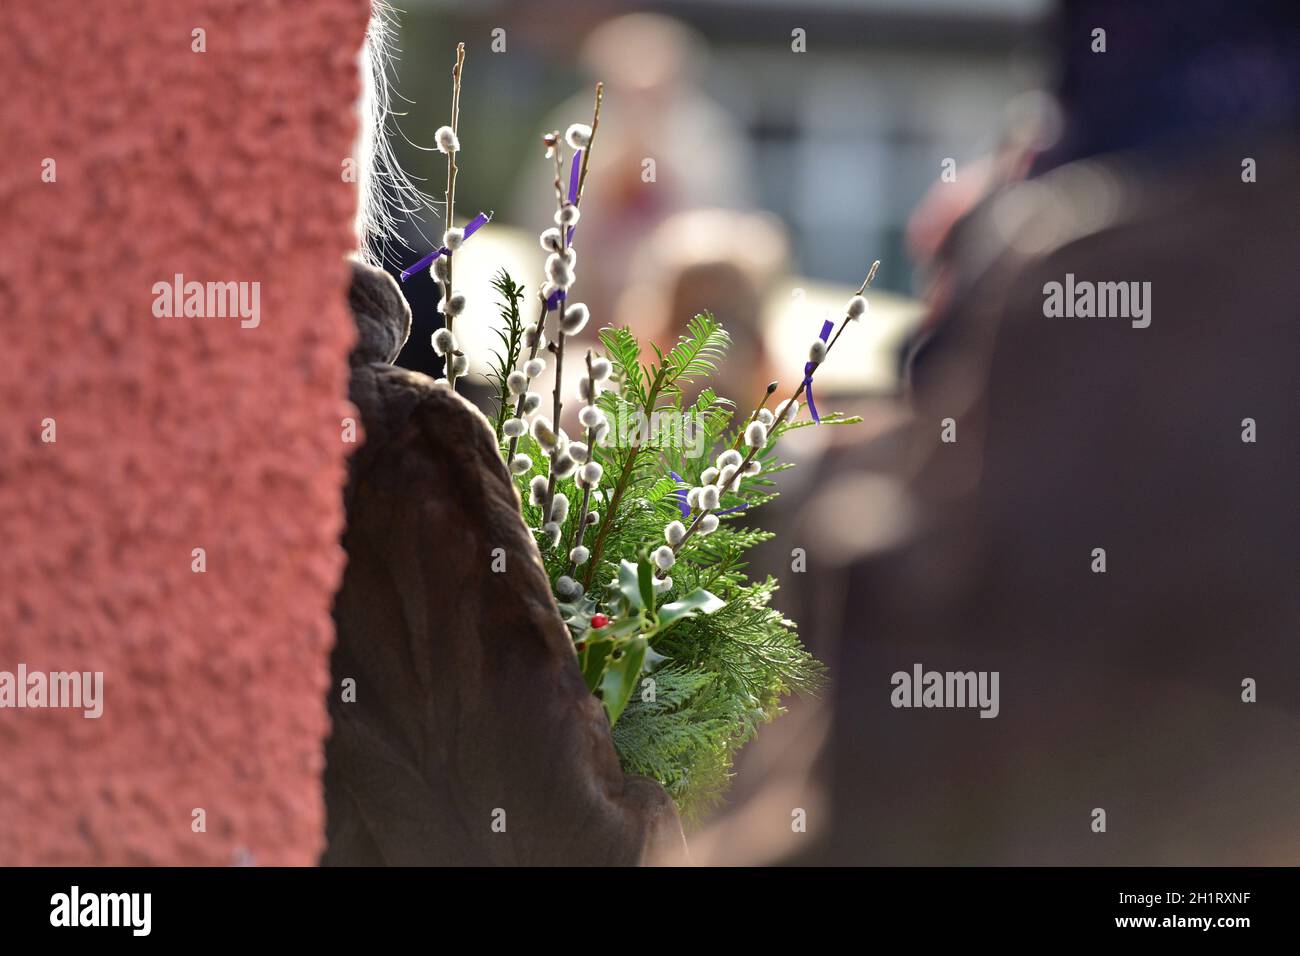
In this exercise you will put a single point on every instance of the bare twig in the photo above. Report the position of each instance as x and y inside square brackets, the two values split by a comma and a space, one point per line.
[799, 390]
[450, 201]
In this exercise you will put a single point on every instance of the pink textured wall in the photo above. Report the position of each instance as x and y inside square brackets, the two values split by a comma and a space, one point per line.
[172, 433]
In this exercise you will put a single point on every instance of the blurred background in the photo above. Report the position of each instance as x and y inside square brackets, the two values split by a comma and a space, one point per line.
[799, 169]
[974, 148]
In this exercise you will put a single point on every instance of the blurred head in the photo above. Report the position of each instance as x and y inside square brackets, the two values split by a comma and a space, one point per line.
[710, 260]
[643, 53]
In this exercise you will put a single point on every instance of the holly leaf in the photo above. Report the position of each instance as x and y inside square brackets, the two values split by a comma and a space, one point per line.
[698, 601]
[629, 584]
[621, 673]
[593, 659]
[646, 575]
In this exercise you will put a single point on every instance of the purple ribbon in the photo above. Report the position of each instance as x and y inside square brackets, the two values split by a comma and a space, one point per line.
[809, 368]
[556, 297]
[472, 227]
[573, 186]
[680, 495]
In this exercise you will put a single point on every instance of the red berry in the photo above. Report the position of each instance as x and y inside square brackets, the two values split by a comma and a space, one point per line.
[598, 621]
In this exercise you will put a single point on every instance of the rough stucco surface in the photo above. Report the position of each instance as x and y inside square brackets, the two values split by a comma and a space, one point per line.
[172, 433]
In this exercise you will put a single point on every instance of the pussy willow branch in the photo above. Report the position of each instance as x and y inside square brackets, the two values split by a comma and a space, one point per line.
[740, 432]
[586, 155]
[557, 347]
[580, 531]
[803, 383]
[450, 203]
[799, 390]
[700, 517]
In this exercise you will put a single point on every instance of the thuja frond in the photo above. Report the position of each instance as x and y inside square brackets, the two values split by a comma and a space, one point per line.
[511, 335]
[625, 352]
[698, 352]
[684, 736]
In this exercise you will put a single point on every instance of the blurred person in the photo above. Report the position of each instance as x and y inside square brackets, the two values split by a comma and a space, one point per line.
[662, 146]
[709, 260]
[1154, 686]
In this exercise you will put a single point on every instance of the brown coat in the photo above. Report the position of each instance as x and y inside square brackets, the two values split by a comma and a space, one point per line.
[1119, 690]
[470, 709]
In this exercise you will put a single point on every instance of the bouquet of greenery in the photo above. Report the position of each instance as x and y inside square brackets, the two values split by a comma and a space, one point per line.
[642, 519]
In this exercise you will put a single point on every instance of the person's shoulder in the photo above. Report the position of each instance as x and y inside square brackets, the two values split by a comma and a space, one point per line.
[436, 420]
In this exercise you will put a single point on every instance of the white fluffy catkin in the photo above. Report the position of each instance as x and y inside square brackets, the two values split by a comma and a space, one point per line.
[756, 434]
[514, 428]
[544, 434]
[517, 382]
[559, 271]
[534, 367]
[520, 464]
[446, 139]
[453, 238]
[817, 352]
[454, 305]
[664, 558]
[674, 533]
[857, 307]
[443, 341]
[537, 490]
[578, 136]
[564, 465]
[575, 318]
[551, 240]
